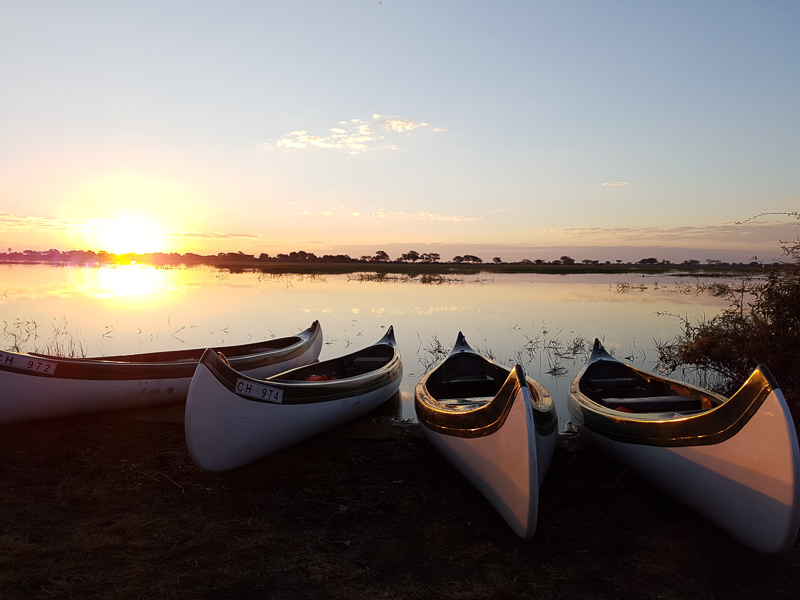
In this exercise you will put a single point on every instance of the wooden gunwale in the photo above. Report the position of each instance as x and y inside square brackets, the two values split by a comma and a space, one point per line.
[670, 429]
[167, 365]
[311, 392]
[490, 417]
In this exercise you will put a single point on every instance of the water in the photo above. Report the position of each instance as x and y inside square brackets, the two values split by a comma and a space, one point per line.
[132, 308]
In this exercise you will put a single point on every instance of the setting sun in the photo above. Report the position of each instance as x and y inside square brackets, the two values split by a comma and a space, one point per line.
[129, 233]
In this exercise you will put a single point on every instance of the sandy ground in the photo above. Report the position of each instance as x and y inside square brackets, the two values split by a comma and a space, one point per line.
[103, 507]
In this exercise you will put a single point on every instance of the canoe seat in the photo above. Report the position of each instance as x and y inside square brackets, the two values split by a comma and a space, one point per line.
[369, 362]
[654, 404]
[469, 379]
[614, 383]
[465, 403]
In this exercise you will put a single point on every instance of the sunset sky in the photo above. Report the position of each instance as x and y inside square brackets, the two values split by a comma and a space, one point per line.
[608, 130]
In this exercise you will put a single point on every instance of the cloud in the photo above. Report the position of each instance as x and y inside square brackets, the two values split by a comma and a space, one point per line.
[358, 136]
[401, 125]
[382, 214]
[427, 216]
[209, 235]
[707, 236]
[614, 184]
[9, 222]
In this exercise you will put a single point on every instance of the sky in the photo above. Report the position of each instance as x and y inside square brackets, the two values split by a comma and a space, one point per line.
[603, 130]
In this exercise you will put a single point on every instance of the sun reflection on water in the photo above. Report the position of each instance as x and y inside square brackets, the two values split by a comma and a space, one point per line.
[129, 280]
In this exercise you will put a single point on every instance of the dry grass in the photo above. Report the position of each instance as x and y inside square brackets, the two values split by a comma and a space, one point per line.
[109, 508]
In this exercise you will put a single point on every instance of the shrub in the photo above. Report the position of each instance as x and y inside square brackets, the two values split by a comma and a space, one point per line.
[761, 326]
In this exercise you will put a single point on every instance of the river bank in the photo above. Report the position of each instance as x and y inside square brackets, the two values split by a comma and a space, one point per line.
[103, 507]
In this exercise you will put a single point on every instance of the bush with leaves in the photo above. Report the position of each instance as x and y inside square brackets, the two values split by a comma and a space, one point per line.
[761, 326]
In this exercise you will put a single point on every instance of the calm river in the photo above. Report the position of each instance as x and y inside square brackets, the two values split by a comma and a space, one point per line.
[531, 319]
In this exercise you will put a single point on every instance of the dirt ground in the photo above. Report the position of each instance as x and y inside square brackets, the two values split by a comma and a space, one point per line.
[103, 507]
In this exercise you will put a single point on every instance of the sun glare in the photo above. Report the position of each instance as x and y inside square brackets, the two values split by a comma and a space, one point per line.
[129, 280]
[129, 233]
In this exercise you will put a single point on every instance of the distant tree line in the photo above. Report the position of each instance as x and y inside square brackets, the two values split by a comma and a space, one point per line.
[301, 256]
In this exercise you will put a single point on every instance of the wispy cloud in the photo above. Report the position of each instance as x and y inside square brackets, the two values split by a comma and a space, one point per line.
[11, 222]
[614, 184]
[382, 214]
[425, 216]
[717, 235]
[209, 235]
[356, 135]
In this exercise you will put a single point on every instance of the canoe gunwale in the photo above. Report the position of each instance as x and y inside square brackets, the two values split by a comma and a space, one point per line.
[671, 429]
[172, 364]
[312, 392]
[490, 417]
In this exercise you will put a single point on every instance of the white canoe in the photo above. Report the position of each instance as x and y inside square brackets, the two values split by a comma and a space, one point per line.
[34, 386]
[232, 419]
[733, 460]
[496, 427]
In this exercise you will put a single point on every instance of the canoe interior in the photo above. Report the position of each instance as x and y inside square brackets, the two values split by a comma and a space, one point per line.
[620, 387]
[466, 380]
[368, 360]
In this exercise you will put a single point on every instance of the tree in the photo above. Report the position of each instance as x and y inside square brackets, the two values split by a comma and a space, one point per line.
[497, 260]
[381, 256]
[429, 257]
[567, 260]
[648, 261]
[411, 255]
[458, 259]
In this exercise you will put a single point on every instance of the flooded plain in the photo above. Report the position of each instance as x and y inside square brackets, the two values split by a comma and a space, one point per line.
[544, 322]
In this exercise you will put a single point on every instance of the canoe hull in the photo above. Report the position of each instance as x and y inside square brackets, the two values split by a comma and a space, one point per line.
[511, 485]
[496, 426]
[241, 431]
[735, 461]
[746, 485]
[88, 385]
[225, 429]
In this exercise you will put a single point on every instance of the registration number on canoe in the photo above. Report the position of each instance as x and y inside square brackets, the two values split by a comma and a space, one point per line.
[26, 363]
[256, 390]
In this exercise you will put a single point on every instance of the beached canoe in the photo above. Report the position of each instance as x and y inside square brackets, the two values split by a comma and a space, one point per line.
[496, 427]
[35, 386]
[733, 460]
[232, 419]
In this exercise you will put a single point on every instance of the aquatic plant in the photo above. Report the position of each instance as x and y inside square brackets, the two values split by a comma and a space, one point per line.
[22, 335]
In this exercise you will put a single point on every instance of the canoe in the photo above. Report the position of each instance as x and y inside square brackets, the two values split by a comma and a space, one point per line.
[232, 420]
[35, 386]
[496, 426]
[732, 460]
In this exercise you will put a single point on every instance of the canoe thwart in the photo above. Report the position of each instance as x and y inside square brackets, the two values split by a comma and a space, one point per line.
[614, 383]
[370, 362]
[468, 379]
[470, 402]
